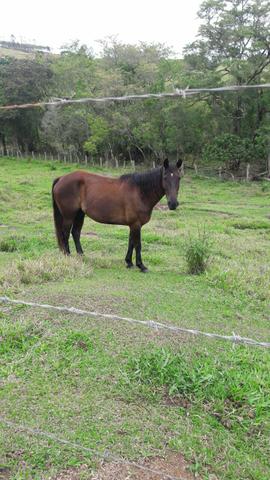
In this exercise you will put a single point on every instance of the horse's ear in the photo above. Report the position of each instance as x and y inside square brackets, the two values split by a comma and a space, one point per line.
[179, 163]
[166, 163]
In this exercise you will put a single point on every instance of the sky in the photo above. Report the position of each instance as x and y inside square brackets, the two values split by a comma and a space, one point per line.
[58, 22]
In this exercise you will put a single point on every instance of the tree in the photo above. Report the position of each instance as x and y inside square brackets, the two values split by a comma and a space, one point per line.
[22, 81]
[234, 44]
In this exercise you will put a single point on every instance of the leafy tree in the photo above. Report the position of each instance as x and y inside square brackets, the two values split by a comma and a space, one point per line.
[233, 44]
[228, 150]
[99, 133]
[22, 81]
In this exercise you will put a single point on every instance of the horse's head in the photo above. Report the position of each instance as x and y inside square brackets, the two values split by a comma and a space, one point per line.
[171, 181]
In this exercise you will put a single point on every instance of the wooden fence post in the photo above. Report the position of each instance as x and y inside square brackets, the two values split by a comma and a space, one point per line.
[247, 172]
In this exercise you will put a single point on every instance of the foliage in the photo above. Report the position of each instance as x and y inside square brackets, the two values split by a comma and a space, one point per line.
[99, 132]
[229, 150]
[232, 47]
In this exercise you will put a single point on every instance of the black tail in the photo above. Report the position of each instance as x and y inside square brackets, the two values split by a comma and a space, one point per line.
[58, 219]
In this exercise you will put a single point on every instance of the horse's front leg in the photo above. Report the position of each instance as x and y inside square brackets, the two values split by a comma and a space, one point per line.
[128, 258]
[136, 239]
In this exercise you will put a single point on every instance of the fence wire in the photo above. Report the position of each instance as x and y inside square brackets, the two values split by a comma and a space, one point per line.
[105, 456]
[147, 323]
[178, 93]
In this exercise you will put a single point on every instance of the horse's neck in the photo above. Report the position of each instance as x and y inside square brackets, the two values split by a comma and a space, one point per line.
[157, 193]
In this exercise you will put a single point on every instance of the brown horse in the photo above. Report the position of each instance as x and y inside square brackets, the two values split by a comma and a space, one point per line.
[127, 200]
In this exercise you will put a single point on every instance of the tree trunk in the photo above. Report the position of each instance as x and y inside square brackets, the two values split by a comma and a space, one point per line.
[237, 117]
[3, 138]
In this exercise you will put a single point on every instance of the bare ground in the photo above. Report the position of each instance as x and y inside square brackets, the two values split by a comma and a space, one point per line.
[173, 466]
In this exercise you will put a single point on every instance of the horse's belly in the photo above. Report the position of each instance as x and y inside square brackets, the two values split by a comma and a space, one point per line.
[107, 212]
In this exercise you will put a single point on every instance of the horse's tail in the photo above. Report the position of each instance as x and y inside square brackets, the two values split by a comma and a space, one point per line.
[58, 219]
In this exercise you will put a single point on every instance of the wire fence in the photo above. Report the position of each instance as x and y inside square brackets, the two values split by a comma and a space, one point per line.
[105, 456]
[178, 93]
[147, 323]
[218, 172]
[74, 157]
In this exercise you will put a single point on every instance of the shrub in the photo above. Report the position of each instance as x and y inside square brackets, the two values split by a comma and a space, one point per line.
[230, 150]
[197, 253]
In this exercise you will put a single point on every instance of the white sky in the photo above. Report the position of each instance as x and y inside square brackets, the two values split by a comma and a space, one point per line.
[56, 22]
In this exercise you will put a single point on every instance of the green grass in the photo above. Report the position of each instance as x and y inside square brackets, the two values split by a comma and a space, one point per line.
[121, 387]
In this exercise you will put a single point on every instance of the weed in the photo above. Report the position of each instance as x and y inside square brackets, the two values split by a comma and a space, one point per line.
[197, 252]
[9, 244]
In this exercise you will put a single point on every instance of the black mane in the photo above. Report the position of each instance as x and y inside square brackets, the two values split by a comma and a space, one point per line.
[147, 182]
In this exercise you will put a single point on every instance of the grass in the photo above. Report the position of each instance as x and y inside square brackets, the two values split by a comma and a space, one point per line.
[110, 385]
[198, 251]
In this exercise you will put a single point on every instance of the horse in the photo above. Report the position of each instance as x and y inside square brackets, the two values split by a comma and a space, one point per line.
[126, 200]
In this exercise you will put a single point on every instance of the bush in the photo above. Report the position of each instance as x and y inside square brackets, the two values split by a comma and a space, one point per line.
[197, 253]
[230, 150]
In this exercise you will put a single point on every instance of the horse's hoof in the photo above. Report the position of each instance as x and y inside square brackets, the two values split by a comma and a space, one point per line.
[144, 270]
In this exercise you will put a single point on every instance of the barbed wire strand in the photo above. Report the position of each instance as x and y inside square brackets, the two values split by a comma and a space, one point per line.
[148, 323]
[106, 455]
[178, 93]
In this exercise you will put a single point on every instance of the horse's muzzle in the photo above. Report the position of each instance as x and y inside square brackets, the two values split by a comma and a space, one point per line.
[173, 204]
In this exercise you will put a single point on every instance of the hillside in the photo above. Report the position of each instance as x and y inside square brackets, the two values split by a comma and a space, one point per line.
[9, 52]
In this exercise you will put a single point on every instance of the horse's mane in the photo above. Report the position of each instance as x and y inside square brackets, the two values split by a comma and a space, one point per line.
[147, 182]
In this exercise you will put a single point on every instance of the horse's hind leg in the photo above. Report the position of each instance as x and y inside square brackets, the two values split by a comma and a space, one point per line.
[76, 230]
[128, 258]
[67, 224]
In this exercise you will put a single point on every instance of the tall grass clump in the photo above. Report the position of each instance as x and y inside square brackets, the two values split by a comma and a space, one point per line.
[9, 244]
[197, 253]
[45, 269]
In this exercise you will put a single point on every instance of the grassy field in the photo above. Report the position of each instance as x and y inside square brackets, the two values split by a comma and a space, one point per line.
[106, 385]
[9, 52]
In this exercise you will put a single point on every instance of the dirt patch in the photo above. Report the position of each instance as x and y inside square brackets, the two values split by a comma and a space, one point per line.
[73, 474]
[172, 466]
[176, 401]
